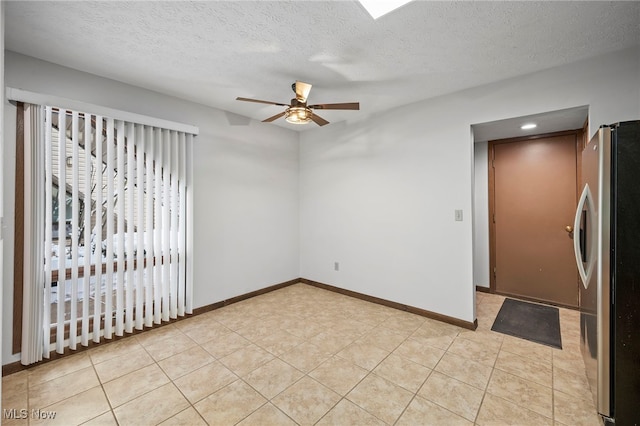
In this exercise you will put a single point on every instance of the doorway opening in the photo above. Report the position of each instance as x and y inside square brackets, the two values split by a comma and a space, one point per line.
[549, 122]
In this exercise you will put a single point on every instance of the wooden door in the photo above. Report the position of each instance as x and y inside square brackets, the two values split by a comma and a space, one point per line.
[534, 199]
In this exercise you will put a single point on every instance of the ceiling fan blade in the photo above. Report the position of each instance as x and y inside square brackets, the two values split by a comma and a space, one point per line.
[275, 117]
[302, 91]
[347, 105]
[260, 102]
[319, 120]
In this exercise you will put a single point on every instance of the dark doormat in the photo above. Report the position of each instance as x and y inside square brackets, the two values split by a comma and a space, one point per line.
[530, 321]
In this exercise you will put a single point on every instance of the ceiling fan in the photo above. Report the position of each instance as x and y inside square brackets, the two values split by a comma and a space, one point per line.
[298, 112]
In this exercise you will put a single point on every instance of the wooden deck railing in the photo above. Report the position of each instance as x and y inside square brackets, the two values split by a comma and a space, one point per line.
[55, 275]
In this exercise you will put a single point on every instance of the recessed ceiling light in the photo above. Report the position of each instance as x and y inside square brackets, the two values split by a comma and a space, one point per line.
[377, 8]
[528, 126]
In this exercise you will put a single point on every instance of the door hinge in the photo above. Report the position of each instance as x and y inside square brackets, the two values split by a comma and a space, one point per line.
[494, 218]
[494, 272]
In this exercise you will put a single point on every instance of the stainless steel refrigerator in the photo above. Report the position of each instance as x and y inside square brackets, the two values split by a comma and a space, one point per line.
[607, 247]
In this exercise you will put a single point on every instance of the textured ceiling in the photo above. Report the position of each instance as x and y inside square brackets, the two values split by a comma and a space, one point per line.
[211, 52]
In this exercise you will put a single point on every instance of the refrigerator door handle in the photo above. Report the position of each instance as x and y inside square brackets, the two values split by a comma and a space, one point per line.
[586, 201]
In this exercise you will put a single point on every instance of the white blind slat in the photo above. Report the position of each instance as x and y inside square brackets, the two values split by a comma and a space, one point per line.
[75, 139]
[86, 187]
[173, 170]
[108, 291]
[189, 223]
[62, 232]
[149, 244]
[48, 217]
[97, 230]
[140, 146]
[157, 230]
[120, 200]
[130, 229]
[181, 225]
[166, 229]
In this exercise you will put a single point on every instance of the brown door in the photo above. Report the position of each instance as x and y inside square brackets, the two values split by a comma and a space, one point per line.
[534, 199]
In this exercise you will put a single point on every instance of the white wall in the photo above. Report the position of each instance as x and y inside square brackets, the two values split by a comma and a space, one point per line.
[481, 215]
[379, 195]
[245, 183]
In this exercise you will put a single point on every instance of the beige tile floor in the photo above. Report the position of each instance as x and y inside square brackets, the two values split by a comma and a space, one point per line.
[302, 355]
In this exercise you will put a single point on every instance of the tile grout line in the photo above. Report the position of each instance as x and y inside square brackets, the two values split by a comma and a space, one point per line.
[484, 394]
[387, 356]
[29, 417]
[176, 386]
[553, 388]
[453, 378]
[111, 408]
[414, 396]
[342, 397]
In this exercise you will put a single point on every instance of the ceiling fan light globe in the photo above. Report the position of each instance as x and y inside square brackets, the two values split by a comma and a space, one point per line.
[298, 115]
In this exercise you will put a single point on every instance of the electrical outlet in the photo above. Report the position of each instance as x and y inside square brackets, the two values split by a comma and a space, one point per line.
[336, 266]
[458, 215]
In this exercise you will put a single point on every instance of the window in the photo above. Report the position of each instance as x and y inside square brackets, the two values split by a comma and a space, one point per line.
[113, 242]
[54, 214]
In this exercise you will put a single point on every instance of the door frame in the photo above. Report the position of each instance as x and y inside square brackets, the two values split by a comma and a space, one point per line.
[580, 137]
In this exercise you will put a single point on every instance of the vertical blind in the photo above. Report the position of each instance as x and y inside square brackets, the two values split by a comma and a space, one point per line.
[33, 295]
[114, 220]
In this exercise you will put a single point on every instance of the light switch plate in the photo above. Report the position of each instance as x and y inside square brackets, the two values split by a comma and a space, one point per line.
[458, 215]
